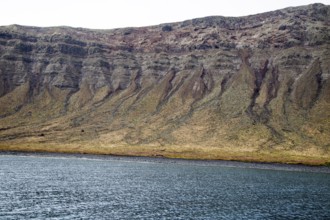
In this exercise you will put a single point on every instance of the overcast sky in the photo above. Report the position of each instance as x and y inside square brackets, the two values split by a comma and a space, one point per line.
[107, 14]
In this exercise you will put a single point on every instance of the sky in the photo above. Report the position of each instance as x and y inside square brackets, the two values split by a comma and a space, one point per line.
[109, 14]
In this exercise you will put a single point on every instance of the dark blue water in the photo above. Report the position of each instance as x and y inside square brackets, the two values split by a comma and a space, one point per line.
[77, 188]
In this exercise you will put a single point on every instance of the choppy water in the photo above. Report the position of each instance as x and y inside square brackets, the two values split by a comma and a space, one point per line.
[122, 188]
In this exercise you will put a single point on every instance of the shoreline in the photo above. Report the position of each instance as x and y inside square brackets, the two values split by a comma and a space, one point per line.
[198, 162]
[186, 152]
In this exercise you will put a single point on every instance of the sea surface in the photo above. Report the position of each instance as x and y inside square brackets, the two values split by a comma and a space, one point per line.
[55, 186]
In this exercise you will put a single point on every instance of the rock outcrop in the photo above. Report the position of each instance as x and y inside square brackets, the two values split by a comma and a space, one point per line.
[247, 88]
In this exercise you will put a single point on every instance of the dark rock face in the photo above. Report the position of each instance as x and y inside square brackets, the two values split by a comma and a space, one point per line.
[258, 83]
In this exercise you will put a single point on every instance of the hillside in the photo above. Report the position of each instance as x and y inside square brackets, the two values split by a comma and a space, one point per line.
[252, 88]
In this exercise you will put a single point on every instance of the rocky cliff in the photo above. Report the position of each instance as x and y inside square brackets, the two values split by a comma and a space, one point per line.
[245, 88]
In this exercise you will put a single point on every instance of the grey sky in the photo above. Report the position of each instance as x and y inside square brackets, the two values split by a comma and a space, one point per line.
[107, 14]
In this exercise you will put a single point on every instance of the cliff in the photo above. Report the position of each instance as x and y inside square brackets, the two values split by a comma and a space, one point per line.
[253, 88]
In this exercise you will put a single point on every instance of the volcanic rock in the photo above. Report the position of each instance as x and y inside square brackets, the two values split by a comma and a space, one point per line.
[244, 88]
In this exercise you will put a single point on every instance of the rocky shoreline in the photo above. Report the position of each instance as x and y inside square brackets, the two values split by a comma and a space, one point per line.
[190, 162]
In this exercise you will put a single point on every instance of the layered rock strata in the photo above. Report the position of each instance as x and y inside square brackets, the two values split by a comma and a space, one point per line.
[247, 88]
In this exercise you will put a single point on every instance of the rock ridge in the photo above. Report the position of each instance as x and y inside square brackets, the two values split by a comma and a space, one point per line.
[248, 88]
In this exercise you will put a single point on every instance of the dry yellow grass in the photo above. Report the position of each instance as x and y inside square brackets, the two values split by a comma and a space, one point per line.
[182, 152]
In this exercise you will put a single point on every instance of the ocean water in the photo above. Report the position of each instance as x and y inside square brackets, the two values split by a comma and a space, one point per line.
[56, 187]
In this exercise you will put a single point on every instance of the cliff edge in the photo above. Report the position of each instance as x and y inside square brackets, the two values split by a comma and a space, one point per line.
[253, 88]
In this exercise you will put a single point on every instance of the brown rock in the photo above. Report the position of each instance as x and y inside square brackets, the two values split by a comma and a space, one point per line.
[203, 88]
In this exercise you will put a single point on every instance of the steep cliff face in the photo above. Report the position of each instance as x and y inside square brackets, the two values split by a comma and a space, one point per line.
[249, 88]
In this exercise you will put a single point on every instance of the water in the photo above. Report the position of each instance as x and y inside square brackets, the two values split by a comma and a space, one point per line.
[43, 187]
